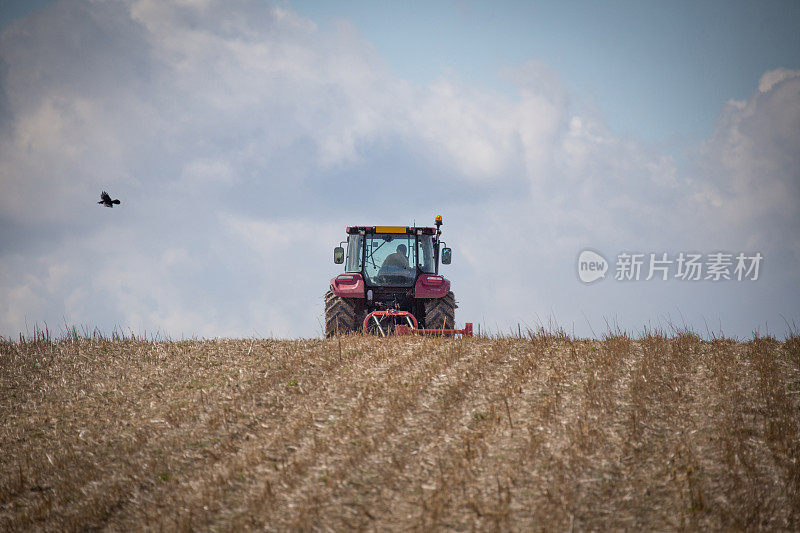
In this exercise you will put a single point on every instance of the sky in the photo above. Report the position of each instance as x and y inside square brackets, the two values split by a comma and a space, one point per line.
[656, 72]
[242, 137]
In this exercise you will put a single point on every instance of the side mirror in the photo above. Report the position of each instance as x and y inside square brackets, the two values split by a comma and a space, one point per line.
[338, 255]
[447, 256]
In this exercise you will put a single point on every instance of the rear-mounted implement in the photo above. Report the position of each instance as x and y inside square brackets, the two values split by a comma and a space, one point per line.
[390, 322]
[400, 329]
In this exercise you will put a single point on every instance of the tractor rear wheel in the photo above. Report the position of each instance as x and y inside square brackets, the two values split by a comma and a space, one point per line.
[342, 315]
[441, 312]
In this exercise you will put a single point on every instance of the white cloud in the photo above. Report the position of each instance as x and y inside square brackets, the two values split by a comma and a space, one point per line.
[772, 77]
[207, 170]
[751, 165]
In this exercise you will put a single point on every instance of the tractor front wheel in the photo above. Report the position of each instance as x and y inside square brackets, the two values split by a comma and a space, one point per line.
[441, 312]
[342, 315]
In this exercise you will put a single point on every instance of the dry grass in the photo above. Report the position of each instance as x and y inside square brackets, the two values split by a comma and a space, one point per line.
[544, 432]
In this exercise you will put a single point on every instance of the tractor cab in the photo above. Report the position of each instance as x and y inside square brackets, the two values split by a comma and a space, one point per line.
[390, 256]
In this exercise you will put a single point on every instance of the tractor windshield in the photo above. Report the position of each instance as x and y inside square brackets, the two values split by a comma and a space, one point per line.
[390, 259]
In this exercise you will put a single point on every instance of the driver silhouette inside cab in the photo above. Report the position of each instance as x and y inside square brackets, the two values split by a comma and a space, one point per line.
[397, 259]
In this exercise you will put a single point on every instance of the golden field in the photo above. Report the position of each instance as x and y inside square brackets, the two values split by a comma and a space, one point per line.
[538, 432]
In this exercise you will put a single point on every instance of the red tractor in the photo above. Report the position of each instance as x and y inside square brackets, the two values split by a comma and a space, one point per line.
[391, 283]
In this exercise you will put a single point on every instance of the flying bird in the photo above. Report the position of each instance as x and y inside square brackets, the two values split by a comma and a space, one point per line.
[106, 200]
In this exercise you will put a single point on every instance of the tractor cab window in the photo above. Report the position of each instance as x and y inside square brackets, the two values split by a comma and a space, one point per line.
[390, 259]
[354, 255]
[425, 254]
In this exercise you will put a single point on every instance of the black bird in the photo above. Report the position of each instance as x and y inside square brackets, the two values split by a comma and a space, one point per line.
[106, 200]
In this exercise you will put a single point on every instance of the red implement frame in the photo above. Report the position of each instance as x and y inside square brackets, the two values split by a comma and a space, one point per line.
[412, 320]
[413, 326]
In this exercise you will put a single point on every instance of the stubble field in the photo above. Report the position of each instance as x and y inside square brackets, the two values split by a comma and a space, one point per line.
[544, 432]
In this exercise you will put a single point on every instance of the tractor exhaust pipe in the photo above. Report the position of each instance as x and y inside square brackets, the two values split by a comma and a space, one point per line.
[439, 223]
